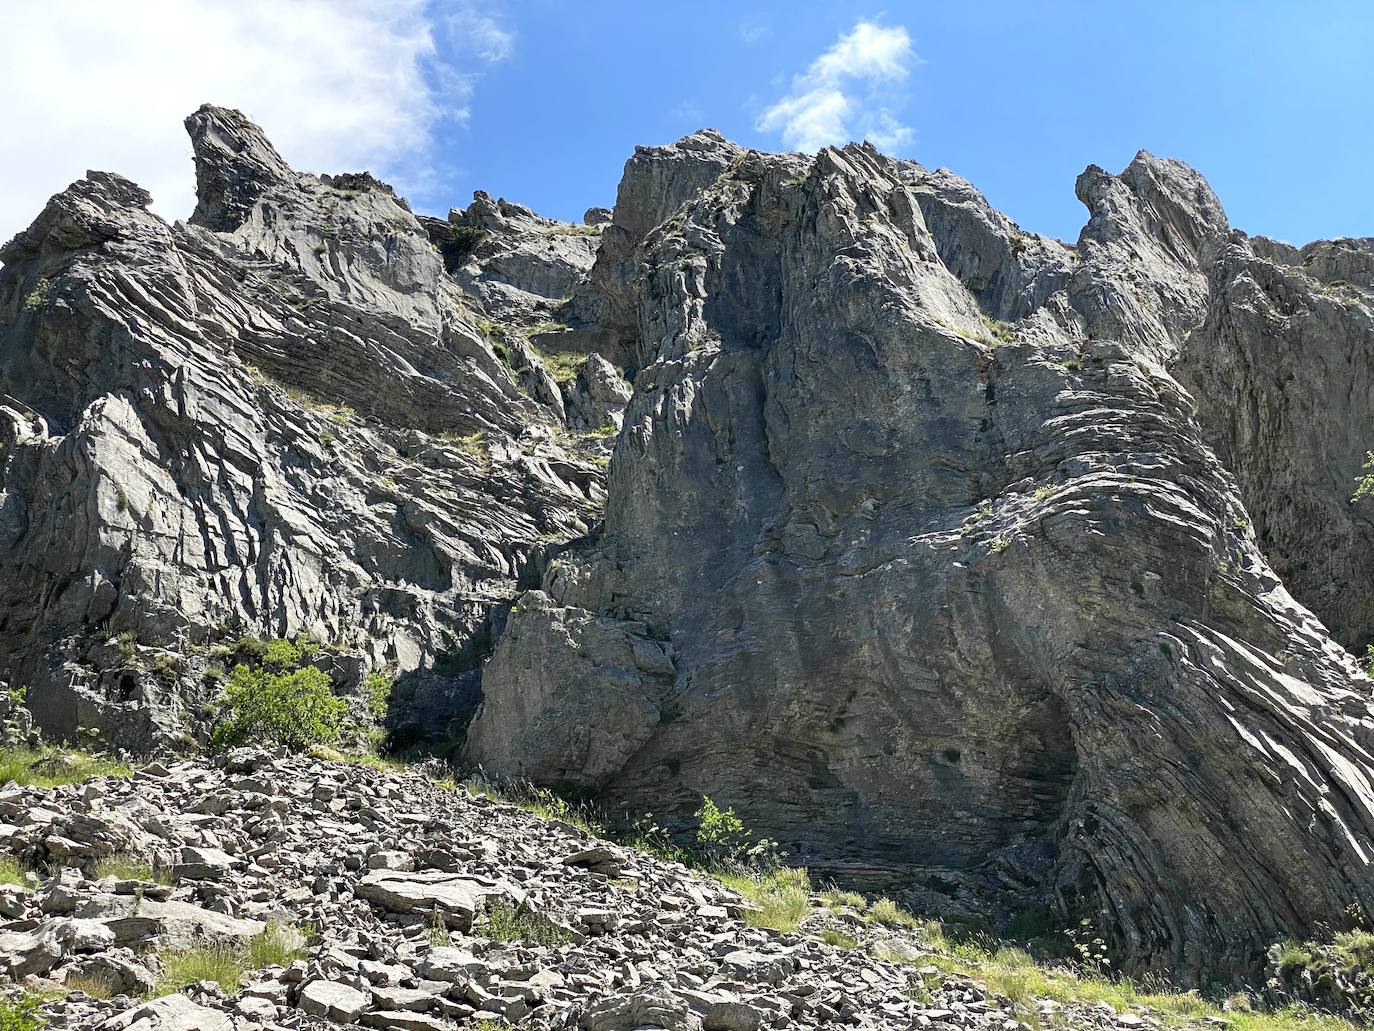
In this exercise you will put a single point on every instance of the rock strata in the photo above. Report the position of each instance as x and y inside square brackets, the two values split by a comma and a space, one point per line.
[950, 590]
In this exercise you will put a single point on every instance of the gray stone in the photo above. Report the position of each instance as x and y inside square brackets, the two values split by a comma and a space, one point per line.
[338, 1002]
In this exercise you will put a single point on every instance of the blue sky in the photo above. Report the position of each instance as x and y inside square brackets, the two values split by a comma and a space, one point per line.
[541, 101]
[1270, 100]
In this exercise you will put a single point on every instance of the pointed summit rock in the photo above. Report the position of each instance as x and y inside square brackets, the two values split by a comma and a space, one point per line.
[235, 165]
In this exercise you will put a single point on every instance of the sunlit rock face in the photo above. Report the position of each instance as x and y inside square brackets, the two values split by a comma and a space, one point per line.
[917, 551]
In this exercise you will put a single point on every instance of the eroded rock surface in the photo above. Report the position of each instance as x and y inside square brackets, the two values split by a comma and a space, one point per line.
[953, 590]
[277, 419]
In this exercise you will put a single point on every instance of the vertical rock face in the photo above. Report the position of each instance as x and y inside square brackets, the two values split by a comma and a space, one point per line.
[1283, 372]
[964, 607]
[277, 419]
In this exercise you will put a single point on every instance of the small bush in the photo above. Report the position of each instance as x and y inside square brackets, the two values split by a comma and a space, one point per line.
[378, 687]
[37, 297]
[295, 709]
[720, 832]
[21, 1014]
[456, 250]
[507, 923]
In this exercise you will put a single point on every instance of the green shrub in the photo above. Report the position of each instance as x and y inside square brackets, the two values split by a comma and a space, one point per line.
[21, 1014]
[37, 297]
[507, 923]
[720, 832]
[295, 709]
[378, 687]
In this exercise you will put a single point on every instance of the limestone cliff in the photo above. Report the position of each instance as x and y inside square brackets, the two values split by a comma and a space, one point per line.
[957, 558]
[918, 552]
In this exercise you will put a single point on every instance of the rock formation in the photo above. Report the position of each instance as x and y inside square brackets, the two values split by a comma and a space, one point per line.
[957, 558]
[916, 552]
[277, 419]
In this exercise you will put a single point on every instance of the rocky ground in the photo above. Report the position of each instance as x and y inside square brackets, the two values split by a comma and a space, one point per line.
[394, 893]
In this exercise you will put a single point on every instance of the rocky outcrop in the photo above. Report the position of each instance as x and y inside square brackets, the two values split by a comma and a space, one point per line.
[1282, 370]
[278, 419]
[951, 590]
[517, 265]
[656, 183]
[957, 558]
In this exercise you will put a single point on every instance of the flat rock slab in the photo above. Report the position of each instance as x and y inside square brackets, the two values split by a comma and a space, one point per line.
[455, 898]
[333, 1000]
[170, 1013]
[175, 923]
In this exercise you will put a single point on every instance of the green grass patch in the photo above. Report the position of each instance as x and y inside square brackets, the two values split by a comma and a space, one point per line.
[564, 366]
[12, 872]
[277, 946]
[53, 767]
[783, 896]
[836, 899]
[227, 963]
[834, 936]
[21, 1014]
[889, 914]
[130, 868]
[224, 963]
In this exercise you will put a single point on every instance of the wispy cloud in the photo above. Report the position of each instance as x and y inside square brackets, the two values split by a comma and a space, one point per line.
[337, 85]
[848, 92]
[754, 30]
[687, 111]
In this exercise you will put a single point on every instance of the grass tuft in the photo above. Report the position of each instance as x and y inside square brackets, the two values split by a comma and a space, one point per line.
[12, 872]
[126, 867]
[783, 896]
[507, 923]
[51, 767]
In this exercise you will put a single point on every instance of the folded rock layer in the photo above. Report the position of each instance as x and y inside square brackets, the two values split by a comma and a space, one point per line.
[917, 553]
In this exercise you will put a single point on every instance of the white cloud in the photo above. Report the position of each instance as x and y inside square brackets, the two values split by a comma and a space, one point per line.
[338, 85]
[847, 93]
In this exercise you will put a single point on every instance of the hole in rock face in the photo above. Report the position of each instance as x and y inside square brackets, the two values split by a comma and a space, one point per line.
[952, 755]
[127, 687]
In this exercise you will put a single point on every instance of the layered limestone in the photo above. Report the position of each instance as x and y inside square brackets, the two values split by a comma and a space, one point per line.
[916, 552]
[277, 419]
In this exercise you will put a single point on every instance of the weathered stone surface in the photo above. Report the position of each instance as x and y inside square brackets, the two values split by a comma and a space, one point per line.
[259, 422]
[455, 899]
[953, 606]
[1282, 370]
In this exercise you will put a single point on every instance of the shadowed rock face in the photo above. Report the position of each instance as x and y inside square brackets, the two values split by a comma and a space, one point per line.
[247, 424]
[966, 609]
